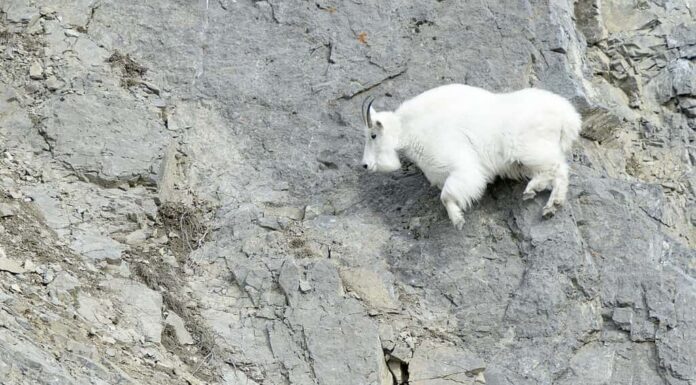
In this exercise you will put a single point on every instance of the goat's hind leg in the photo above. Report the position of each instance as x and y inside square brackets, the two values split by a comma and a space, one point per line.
[459, 192]
[559, 190]
[540, 181]
[548, 169]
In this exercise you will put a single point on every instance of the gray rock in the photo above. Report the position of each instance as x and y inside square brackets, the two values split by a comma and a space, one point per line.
[51, 209]
[681, 35]
[369, 286]
[137, 237]
[93, 310]
[623, 317]
[305, 286]
[444, 365]
[293, 213]
[53, 83]
[601, 125]
[64, 282]
[71, 33]
[182, 335]
[289, 280]
[236, 376]
[633, 364]
[97, 247]
[589, 20]
[269, 223]
[48, 276]
[29, 362]
[75, 13]
[10, 265]
[170, 260]
[18, 11]
[141, 309]
[36, 72]
[83, 133]
[7, 210]
[89, 53]
[674, 80]
[592, 364]
[15, 122]
[395, 367]
[82, 349]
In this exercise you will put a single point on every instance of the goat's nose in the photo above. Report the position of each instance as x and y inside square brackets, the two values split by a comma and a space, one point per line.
[365, 166]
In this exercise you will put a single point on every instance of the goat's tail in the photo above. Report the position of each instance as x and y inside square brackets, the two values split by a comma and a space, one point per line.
[570, 130]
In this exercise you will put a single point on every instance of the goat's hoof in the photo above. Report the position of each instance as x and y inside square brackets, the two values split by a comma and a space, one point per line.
[458, 223]
[527, 195]
[549, 212]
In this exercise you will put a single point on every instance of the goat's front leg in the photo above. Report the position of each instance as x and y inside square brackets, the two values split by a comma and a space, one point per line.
[453, 211]
[459, 192]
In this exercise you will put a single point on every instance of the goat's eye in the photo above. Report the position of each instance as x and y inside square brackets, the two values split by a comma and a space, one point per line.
[379, 124]
[373, 136]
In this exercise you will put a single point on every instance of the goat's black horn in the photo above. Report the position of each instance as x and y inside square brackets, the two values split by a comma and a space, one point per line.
[367, 104]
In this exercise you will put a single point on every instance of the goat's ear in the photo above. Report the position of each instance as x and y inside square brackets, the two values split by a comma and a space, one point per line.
[378, 126]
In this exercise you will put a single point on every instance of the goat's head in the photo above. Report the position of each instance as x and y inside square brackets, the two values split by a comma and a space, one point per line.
[382, 131]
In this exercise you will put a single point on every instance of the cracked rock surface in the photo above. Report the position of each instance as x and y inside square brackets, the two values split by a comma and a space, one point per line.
[180, 201]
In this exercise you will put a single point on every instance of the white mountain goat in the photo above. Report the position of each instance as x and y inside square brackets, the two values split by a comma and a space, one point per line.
[462, 137]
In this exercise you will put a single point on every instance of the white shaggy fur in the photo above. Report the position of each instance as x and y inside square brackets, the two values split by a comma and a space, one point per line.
[462, 137]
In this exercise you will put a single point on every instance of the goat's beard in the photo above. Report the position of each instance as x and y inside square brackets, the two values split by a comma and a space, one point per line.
[388, 163]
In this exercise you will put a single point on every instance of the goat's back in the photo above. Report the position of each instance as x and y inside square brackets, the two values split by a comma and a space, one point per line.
[447, 115]
[530, 108]
[439, 99]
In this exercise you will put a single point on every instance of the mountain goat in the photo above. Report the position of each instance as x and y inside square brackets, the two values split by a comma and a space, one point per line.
[462, 137]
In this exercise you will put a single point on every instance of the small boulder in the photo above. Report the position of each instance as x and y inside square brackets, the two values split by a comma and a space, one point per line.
[177, 323]
[36, 72]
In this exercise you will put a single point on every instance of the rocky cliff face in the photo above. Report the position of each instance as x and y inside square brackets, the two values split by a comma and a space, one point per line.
[181, 201]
